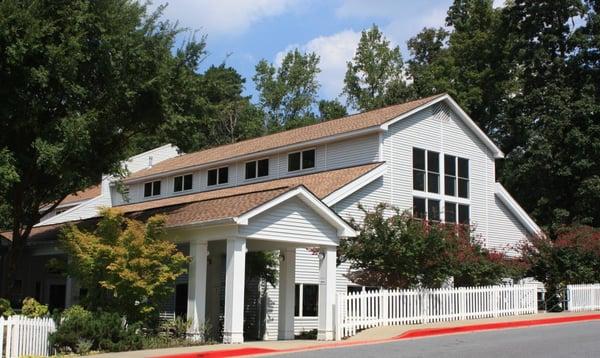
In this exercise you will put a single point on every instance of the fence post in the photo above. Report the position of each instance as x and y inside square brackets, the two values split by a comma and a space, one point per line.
[384, 308]
[338, 317]
[425, 305]
[495, 299]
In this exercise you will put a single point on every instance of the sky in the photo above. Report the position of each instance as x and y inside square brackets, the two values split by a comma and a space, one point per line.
[242, 32]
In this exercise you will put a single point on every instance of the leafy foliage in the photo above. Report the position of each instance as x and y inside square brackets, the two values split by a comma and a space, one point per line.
[287, 93]
[331, 109]
[374, 78]
[126, 266]
[394, 249]
[33, 309]
[5, 308]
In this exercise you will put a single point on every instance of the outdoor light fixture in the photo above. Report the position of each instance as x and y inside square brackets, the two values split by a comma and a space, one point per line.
[321, 255]
[281, 257]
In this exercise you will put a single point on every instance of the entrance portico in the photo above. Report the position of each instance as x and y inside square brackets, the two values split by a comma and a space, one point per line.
[296, 219]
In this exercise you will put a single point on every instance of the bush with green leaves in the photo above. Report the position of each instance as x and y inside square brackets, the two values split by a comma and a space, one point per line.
[33, 309]
[80, 331]
[5, 309]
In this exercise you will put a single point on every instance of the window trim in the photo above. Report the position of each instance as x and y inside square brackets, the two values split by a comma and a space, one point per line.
[183, 189]
[256, 177]
[218, 169]
[301, 160]
[152, 195]
[301, 300]
[426, 170]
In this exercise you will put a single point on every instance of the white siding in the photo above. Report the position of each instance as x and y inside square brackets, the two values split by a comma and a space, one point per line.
[505, 229]
[353, 151]
[142, 160]
[291, 220]
[369, 197]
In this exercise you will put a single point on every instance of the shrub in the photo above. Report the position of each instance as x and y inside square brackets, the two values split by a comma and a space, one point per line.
[33, 309]
[5, 309]
[80, 331]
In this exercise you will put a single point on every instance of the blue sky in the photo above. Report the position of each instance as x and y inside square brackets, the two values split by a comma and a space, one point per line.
[241, 32]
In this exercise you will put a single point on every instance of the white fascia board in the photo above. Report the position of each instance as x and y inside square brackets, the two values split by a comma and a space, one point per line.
[497, 153]
[343, 229]
[355, 185]
[516, 210]
[286, 148]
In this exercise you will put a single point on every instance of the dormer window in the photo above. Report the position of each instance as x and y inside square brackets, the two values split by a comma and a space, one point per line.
[257, 169]
[301, 160]
[152, 189]
[217, 176]
[182, 183]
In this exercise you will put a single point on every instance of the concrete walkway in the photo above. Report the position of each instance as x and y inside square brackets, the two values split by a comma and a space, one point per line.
[372, 335]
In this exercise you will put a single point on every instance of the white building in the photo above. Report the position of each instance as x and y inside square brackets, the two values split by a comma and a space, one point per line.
[295, 190]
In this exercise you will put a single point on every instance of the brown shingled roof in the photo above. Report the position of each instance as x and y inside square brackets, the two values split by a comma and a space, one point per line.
[227, 202]
[88, 193]
[294, 136]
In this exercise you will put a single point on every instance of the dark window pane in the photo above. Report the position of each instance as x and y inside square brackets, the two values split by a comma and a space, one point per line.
[297, 301]
[308, 159]
[433, 209]
[463, 168]
[212, 177]
[463, 188]
[223, 175]
[433, 183]
[293, 162]
[156, 188]
[433, 162]
[310, 300]
[250, 170]
[450, 165]
[450, 212]
[418, 158]
[178, 184]
[463, 214]
[148, 189]
[187, 182]
[418, 180]
[450, 186]
[263, 167]
[419, 208]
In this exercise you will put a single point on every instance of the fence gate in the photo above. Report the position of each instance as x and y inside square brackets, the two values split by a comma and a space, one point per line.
[22, 336]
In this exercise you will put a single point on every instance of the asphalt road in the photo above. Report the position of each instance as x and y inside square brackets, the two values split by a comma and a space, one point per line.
[563, 340]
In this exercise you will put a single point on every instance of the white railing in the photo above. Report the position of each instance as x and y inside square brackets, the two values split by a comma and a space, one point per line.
[360, 310]
[22, 336]
[583, 297]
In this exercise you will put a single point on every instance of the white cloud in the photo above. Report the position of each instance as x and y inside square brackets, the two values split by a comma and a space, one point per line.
[230, 17]
[369, 9]
[334, 52]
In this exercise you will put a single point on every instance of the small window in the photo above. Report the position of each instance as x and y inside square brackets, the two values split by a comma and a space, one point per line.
[257, 168]
[182, 183]
[301, 160]
[426, 170]
[152, 188]
[217, 176]
[456, 176]
[433, 210]
[463, 214]
[419, 208]
[307, 298]
[463, 178]
[450, 212]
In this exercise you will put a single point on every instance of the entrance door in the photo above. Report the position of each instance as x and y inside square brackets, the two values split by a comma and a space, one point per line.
[181, 297]
[56, 296]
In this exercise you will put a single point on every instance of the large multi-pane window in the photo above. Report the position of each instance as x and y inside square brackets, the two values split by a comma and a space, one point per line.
[426, 208]
[457, 213]
[426, 170]
[456, 176]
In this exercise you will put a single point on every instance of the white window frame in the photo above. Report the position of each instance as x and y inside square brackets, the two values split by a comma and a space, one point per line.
[457, 177]
[256, 177]
[152, 195]
[301, 300]
[183, 189]
[427, 171]
[301, 160]
[218, 169]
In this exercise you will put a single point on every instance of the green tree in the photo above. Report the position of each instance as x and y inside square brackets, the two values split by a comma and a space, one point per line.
[288, 93]
[331, 109]
[395, 250]
[430, 66]
[79, 80]
[126, 266]
[375, 76]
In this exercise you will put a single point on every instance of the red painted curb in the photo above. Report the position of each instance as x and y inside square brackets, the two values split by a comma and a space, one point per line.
[415, 333]
[426, 332]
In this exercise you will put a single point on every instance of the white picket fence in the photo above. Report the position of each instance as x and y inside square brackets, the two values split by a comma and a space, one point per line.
[583, 297]
[22, 336]
[360, 310]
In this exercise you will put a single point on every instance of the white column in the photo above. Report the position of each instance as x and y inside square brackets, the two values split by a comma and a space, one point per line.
[327, 272]
[196, 308]
[233, 329]
[287, 293]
